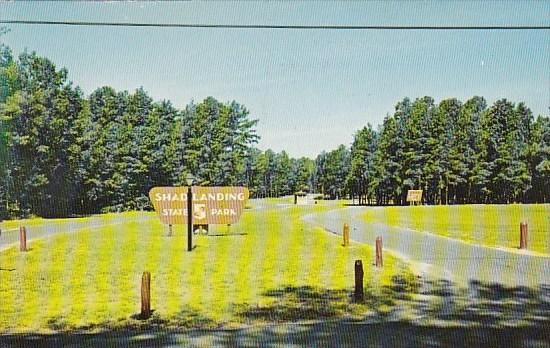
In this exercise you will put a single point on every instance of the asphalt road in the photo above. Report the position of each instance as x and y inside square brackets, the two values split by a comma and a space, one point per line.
[10, 237]
[444, 258]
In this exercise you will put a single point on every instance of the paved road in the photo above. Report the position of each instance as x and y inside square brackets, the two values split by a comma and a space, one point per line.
[441, 257]
[10, 237]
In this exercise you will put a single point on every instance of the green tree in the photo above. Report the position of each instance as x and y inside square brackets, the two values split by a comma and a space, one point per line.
[301, 174]
[386, 182]
[8, 86]
[100, 144]
[502, 148]
[362, 170]
[415, 146]
[464, 148]
[162, 128]
[237, 136]
[43, 130]
[334, 167]
[539, 160]
[440, 139]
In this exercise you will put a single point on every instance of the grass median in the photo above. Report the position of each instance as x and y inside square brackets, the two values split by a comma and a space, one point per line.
[490, 225]
[270, 267]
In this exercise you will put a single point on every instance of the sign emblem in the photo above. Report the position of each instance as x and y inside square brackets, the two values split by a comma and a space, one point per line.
[199, 211]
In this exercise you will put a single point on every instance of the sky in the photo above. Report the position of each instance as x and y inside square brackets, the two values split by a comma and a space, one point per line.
[310, 89]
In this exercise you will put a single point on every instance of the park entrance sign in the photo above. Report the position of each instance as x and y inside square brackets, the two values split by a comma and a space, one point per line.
[414, 196]
[211, 205]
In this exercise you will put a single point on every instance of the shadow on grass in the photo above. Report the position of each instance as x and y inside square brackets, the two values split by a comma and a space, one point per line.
[434, 313]
[142, 316]
[227, 234]
[297, 303]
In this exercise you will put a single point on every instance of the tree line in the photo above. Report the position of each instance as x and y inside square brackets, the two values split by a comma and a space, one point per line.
[456, 152]
[63, 153]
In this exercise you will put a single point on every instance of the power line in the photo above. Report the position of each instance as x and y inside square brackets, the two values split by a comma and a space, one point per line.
[271, 26]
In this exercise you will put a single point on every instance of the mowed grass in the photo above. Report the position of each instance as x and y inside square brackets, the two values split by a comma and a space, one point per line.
[269, 267]
[491, 225]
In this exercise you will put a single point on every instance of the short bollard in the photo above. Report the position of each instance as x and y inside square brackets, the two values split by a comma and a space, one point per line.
[358, 295]
[169, 230]
[379, 258]
[346, 235]
[523, 234]
[146, 295]
[22, 238]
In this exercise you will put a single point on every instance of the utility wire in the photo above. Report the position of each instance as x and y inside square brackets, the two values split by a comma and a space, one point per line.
[292, 27]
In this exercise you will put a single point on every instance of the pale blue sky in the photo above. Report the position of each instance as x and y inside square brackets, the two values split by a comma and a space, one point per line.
[310, 89]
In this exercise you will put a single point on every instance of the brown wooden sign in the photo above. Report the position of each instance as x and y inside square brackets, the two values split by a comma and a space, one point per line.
[414, 196]
[211, 205]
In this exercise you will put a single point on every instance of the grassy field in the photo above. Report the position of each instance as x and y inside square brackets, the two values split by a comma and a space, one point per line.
[270, 267]
[492, 225]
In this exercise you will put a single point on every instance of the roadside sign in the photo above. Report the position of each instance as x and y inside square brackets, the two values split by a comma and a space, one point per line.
[414, 196]
[211, 205]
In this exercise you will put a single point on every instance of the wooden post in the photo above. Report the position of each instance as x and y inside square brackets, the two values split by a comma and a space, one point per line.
[379, 259]
[358, 295]
[22, 238]
[146, 295]
[523, 234]
[346, 235]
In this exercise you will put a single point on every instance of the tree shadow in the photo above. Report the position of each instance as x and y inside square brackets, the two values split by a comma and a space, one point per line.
[296, 303]
[485, 304]
[230, 234]
[430, 313]
[142, 316]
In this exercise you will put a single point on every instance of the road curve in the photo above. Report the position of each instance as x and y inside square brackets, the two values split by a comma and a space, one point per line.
[442, 257]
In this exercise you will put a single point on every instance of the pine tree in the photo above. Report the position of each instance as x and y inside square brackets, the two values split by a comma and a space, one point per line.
[415, 150]
[441, 139]
[463, 149]
[161, 127]
[539, 160]
[301, 174]
[362, 170]
[99, 143]
[336, 168]
[386, 183]
[8, 86]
